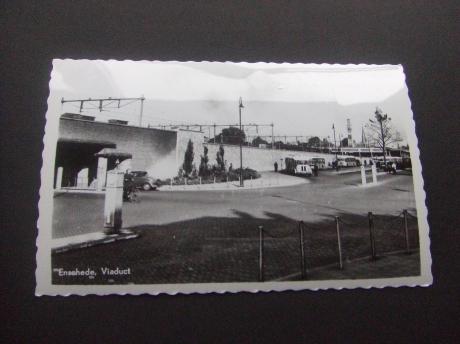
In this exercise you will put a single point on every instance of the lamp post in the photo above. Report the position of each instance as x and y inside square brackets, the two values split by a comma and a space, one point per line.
[335, 148]
[240, 106]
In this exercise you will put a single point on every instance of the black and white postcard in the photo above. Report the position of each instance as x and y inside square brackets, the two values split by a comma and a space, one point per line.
[193, 177]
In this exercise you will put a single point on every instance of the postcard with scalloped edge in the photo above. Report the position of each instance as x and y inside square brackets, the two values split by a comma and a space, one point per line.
[195, 177]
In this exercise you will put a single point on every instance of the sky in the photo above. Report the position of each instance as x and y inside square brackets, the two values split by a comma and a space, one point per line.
[300, 99]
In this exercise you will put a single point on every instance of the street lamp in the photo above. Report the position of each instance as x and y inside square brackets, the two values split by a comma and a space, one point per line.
[240, 106]
[335, 148]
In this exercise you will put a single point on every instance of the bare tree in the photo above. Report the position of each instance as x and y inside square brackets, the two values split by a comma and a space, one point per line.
[380, 132]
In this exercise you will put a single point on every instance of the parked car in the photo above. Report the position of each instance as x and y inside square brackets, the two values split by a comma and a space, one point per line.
[143, 181]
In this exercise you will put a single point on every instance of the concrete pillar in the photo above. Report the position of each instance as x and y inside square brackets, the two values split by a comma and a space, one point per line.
[113, 202]
[374, 174]
[101, 173]
[82, 179]
[363, 175]
[60, 170]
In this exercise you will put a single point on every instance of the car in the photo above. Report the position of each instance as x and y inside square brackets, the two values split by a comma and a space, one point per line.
[143, 181]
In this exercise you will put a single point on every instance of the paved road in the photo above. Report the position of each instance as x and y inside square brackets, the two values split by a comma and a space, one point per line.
[325, 195]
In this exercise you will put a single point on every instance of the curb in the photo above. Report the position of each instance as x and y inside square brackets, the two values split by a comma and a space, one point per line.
[106, 239]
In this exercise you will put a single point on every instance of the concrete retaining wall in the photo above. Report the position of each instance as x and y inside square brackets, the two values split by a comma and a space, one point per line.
[260, 159]
[161, 152]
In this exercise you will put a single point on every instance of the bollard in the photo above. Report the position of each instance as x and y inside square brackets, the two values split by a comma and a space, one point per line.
[363, 175]
[339, 243]
[303, 272]
[374, 173]
[406, 231]
[113, 202]
[261, 253]
[371, 234]
[59, 178]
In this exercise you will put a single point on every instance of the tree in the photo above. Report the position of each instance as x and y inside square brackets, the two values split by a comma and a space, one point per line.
[325, 143]
[314, 141]
[259, 141]
[232, 135]
[188, 159]
[220, 158]
[203, 170]
[344, 142]
[380, 132]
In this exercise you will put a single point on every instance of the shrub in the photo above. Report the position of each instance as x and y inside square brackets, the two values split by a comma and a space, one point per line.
[220, 158]
[204, 168]
[188, 159]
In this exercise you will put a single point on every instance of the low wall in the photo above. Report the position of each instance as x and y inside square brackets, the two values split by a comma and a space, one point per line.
[260, 159]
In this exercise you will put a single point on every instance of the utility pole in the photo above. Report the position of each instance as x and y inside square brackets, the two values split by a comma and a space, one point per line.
[241, 145]
[105, 104]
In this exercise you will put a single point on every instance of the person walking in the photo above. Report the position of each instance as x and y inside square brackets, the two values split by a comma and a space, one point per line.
[393, 167]
[276, 166]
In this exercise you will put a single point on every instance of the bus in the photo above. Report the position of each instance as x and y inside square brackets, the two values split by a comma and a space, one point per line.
[320, 162]
[347, 162]
[298, 166]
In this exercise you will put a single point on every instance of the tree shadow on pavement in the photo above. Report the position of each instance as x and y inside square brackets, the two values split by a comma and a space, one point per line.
[224, 249]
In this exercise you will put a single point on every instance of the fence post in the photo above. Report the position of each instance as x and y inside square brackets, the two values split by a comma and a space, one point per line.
[339, 243]
[303, 272]
[406, 231]
[371, 234]
[261, 253]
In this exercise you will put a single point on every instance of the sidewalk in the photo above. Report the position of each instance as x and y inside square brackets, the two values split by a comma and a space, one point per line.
[266, 180]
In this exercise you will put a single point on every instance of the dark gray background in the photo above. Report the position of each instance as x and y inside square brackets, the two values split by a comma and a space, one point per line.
[421, 35]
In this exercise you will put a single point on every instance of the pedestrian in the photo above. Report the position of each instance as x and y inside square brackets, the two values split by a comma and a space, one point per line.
[276, 166]
[315, 170]
[393, 167]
